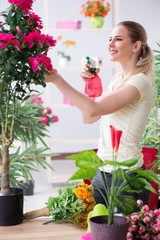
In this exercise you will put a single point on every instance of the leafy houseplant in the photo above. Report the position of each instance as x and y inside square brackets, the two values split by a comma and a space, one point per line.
[23, 60]
[88, 162]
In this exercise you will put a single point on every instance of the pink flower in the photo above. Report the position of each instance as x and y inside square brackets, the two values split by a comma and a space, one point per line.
[26, 5]
[157, 212]
[36, 20]
[151, 213]
[46, 62]
[146, 220]
[156, 228]
[56, 119]
[129, 236]
[158, 221]
[49, 110]
[34, 63]
[133, 228]
[45, 120]
[135, 217]
[139, 202]
[6, 39]
[142, 230]
[145, 208]
[49, 41]
[147, 236]
[36, 100]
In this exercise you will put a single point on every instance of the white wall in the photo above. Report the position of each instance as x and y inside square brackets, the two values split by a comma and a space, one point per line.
[92, 43]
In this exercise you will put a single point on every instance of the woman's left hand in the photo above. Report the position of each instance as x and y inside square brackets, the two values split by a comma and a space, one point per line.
[52, 76]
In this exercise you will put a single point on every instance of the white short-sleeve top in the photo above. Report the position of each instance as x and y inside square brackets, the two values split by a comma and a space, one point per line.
[131, 120]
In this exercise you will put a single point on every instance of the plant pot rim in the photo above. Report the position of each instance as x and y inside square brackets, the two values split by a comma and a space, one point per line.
[116, 218]
[14, 191]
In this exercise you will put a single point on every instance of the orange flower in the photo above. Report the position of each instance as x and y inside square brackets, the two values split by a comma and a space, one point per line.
[95, 8]
[81, 193]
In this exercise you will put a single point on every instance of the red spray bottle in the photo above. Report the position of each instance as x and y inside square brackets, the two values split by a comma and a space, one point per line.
[93, 86]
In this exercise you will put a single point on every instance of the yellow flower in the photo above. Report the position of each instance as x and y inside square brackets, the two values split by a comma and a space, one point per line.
[59, 38]
[69, 43]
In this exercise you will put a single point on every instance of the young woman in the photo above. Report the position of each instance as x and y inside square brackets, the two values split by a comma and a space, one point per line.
[127, 101]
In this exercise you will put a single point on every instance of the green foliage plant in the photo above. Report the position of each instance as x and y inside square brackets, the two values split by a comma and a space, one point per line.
[88, 162]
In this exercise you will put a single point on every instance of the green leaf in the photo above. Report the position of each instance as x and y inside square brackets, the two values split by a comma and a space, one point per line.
[126, 204]
[127, 163]
[87, 159]
[148, 174]
[86, 173]
[135, 183]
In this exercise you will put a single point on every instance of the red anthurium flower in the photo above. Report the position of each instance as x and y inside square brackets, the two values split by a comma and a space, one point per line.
[118, 134]
[112, 129]
[115, 138]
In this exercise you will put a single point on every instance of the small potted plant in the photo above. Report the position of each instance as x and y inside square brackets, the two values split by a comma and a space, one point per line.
[64, 58]
[23, 60]
[96, 11]
[88, 162]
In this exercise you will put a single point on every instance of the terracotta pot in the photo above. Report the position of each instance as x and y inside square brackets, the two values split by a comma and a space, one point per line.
[102, 231]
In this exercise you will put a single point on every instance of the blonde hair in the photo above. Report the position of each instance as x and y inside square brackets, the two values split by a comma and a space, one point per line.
[145, 61]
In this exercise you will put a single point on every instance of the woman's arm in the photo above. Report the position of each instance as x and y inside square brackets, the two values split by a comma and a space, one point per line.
[93, 110]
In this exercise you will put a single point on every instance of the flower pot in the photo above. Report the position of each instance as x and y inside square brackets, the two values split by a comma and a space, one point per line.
[63, 62]
[96, 22]
[28, 188]
[11, 208]
[102, 231]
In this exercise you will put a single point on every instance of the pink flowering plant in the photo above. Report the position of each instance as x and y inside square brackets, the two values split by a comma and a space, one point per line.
[23, 60]
[144, 224]
[45, 113]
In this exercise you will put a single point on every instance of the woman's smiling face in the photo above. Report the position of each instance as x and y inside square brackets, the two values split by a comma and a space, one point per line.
[120, 46]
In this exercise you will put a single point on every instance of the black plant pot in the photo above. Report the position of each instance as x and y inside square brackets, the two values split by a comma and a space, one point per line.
[28, 188]
[11, 208]
[102, 231]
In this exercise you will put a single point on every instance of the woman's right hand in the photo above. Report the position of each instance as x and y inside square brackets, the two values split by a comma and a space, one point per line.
[85, 72]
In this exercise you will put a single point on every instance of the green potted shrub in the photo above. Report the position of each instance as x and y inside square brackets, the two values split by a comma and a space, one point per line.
[23, 61]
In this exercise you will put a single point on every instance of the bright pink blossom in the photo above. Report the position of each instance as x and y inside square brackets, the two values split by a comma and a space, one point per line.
[36, 100]
[56, 119]
[49, 110]
[129, 236]
[145, 208]
[139, 202]
[36, 20]
[6, 39]
[142, 230]
[156, 228]
[147, 220]
[151, 213]
[45, 120]
[34, 62]
[135, 217]
[26, 5]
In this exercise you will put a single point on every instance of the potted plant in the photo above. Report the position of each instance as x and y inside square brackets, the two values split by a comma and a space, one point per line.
[88, 162]
[96, 11]
[64, 58]
[23, 60]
